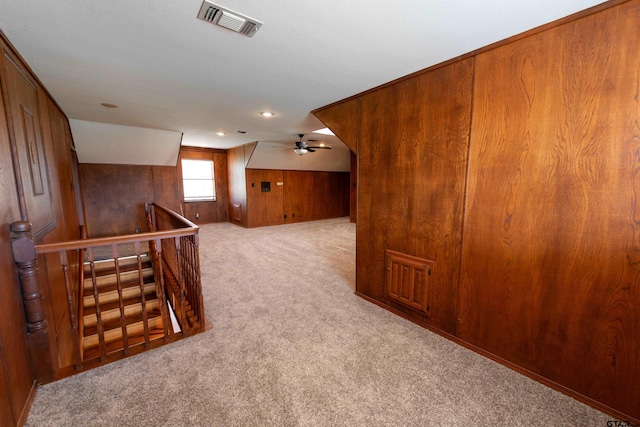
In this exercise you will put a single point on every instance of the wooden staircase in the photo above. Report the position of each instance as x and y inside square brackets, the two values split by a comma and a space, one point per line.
[120, 308]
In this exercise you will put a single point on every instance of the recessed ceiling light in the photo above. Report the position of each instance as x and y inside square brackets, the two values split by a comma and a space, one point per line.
[324, 131]
[267, 114]
[220, 133]
[107, 105]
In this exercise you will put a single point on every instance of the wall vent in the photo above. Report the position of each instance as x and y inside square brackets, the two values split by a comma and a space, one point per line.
[226, 18]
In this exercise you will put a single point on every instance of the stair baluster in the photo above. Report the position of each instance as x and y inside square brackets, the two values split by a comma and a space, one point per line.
[156, 251]
[113, 309]
[99, 325]
[143, 297]
[73, 310]
[123, 317]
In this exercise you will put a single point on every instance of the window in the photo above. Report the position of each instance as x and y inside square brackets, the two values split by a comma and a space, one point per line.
[198, 180]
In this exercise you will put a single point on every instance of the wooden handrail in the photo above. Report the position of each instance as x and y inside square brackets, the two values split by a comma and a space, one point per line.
[176, 274]
[189, 229]
[105, 241]
[175, 216]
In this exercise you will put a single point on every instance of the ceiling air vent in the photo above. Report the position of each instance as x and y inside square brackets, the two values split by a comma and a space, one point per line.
[226, 18]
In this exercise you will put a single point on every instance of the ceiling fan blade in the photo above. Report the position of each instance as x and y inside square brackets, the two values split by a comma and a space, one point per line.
[326, 147]
[311, 150]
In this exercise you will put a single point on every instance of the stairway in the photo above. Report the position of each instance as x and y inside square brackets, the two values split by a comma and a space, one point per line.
[110, 306]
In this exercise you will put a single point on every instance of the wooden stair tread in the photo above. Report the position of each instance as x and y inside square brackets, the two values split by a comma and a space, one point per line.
[114, 286]
[125, 263]
[104, 272]
[113, 332]
[112, 313]
[115, 323]
[118, 345]
[112, 295]
[126, 277]
[91, 311]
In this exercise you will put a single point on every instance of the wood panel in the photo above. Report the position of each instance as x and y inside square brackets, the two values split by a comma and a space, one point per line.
[342, 119]
[411, 182]
[114, 197]
[16, 377]
[551, 258]
[298, 196]
[236, 164]
[115, 194]
[353, 188]
[214, 211]
[331, 195]
[23, 116]
[167, 188]
[58, 149]
[264, 208]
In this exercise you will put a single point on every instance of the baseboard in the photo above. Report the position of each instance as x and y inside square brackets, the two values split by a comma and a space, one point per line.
[534, 376]
[24, 414]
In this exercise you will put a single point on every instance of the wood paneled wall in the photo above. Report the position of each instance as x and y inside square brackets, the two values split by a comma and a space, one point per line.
[237, 159]
[299, 200]
[553, 207]
[330, 195]
[16, 378]
[265, 208]
[33, 127]
[515, 170]
[303, 195]
[353, 188]
[114, 195]
[412, 181]
[208, 212]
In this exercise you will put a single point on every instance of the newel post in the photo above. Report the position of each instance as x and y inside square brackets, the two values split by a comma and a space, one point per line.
[24, 255]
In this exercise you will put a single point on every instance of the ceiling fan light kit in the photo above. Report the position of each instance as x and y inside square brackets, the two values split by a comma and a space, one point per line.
[302, 147]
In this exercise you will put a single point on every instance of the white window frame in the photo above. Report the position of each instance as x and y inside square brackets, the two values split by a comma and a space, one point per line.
[191, 175]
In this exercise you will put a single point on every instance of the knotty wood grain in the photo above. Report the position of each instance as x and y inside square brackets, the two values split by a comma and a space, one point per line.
[551, 255]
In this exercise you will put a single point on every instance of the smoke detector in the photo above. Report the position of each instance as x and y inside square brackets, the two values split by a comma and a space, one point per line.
[228, 19]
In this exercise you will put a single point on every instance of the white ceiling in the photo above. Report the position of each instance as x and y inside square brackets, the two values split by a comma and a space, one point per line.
[167, 70]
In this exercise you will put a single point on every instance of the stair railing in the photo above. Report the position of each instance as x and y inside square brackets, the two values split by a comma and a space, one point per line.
[169, 236]
[180, 265]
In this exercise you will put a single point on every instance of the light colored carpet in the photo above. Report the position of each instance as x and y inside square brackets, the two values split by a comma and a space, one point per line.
[291, 345]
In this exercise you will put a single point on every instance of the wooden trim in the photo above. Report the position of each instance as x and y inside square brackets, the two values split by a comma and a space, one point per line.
[186, 149]
[533, 31]
[106, 241]
[175, 216]
[190, 229]
[22, 419]
[530, 374]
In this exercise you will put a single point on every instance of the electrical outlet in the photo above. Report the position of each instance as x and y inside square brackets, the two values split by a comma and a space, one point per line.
[197, 215]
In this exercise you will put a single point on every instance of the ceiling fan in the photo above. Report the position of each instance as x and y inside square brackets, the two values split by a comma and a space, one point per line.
[302, 147]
